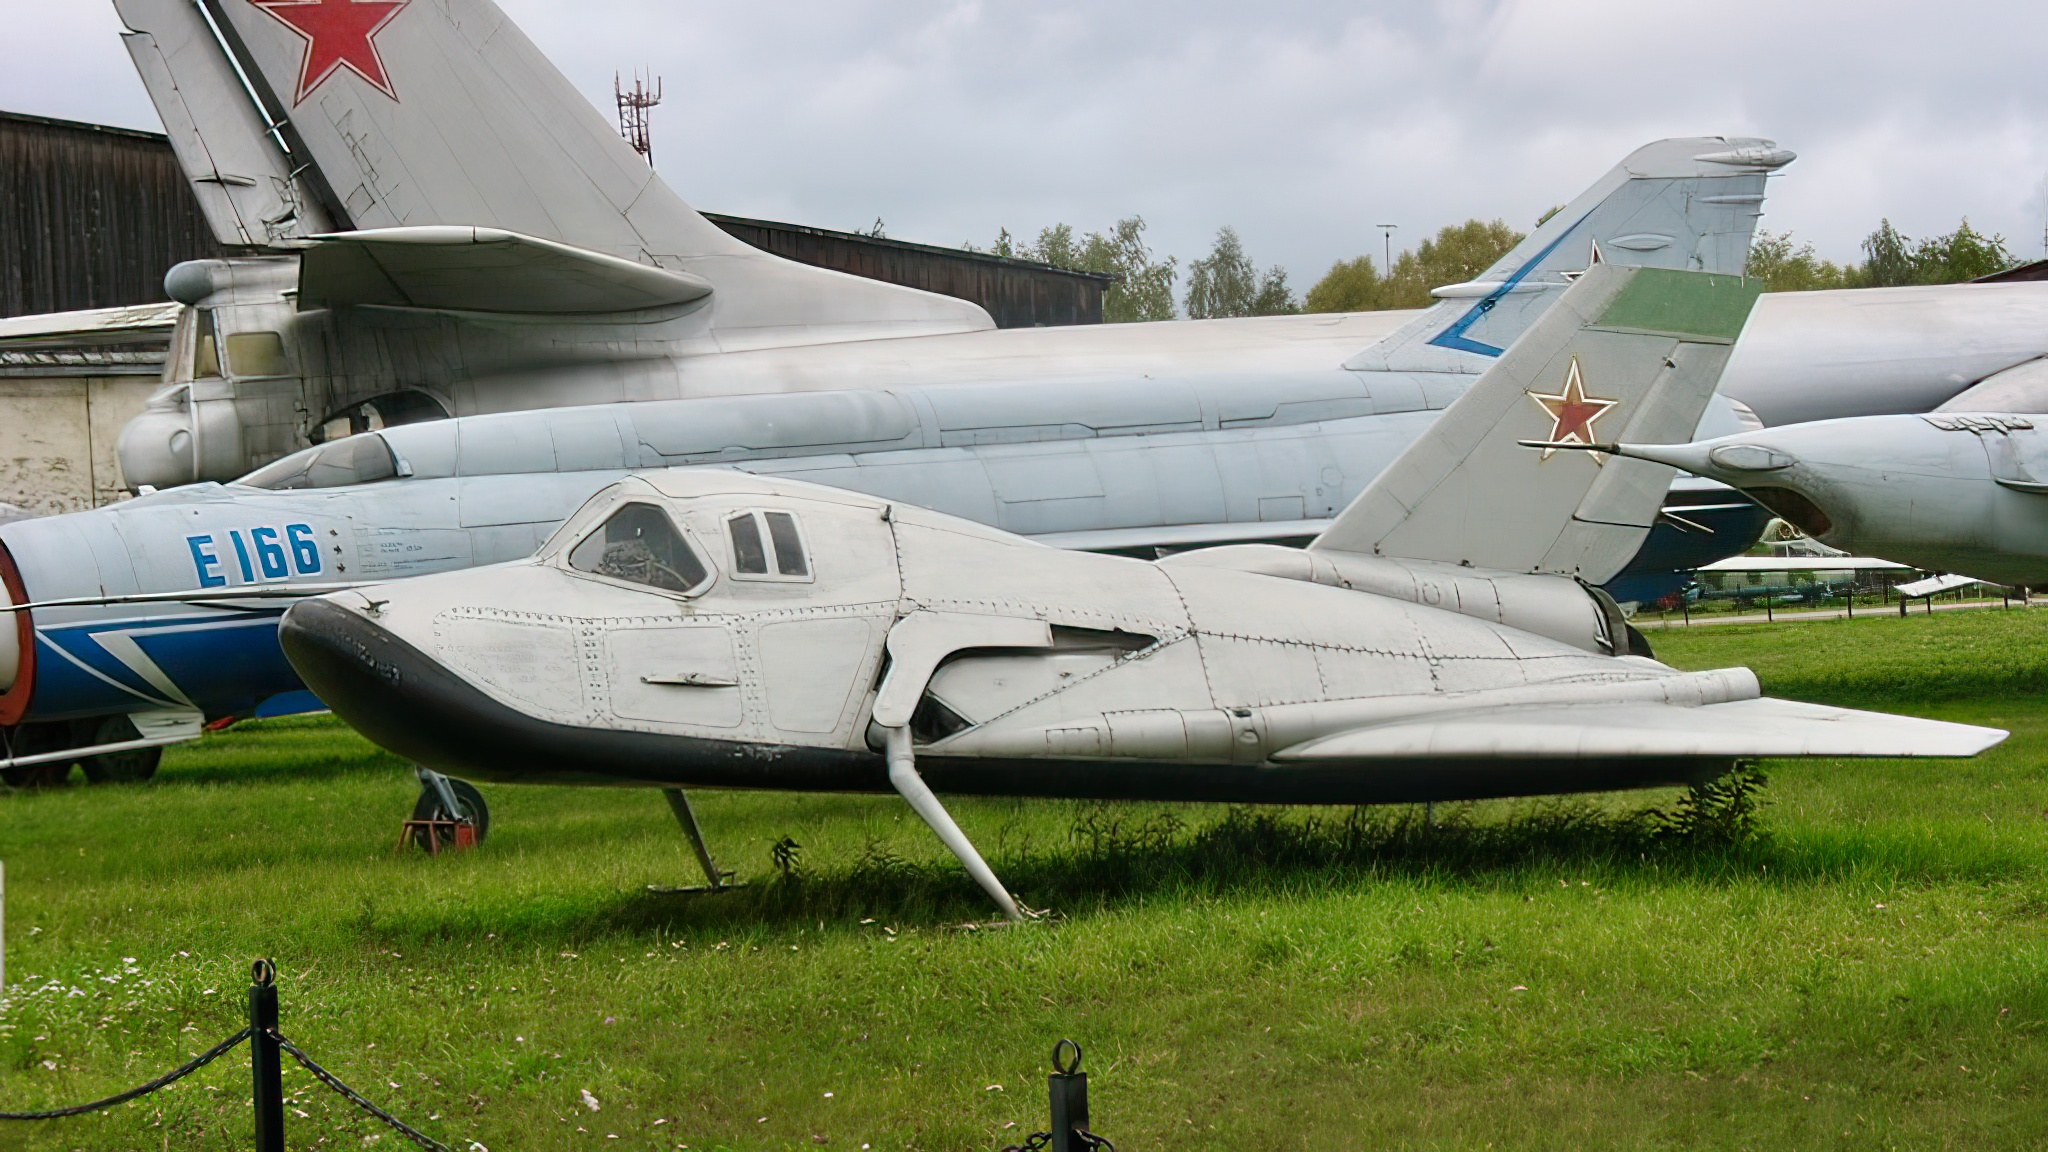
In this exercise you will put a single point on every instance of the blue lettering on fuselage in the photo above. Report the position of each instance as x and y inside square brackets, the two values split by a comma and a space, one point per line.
[205, 561]
[277, 553]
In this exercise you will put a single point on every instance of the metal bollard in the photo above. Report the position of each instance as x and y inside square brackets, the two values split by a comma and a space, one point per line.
[266, 1059]
[1069, 1089]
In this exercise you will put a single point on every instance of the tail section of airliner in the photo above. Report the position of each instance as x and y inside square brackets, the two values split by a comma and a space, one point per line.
[407, 115]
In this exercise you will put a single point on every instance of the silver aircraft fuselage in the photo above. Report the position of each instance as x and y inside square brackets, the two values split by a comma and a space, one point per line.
[1953, 492]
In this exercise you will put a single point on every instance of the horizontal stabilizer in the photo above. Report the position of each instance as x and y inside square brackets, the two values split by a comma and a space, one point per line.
[482, 270]
[1737, 730]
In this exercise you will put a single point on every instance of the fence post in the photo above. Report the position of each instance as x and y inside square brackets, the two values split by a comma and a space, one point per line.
[266, 1066]
[1069, 1088]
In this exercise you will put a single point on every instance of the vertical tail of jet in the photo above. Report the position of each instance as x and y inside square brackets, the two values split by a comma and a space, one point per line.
[1689, 203]
[410, 113]
[1625, 354]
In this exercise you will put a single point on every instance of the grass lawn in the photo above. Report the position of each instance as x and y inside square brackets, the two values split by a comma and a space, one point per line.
[1868, 970]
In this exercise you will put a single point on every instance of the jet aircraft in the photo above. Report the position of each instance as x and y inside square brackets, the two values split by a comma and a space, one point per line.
[1964, 492]
[1440, 640]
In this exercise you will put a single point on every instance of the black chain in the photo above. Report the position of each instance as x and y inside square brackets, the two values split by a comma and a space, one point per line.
[164, 1081]
[356, 1098]
[1038, 1140]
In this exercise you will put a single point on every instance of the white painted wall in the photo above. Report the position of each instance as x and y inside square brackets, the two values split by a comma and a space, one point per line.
[57, 438]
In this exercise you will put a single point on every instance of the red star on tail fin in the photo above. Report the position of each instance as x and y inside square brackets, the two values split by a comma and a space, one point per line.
[339, 34]
[1571, 411]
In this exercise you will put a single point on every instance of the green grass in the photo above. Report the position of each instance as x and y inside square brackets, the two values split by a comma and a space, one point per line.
[1866, 968]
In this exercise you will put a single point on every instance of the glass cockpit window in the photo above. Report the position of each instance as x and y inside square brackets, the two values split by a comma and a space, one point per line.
[205, 349]
[640, 545]
[257, 354]
[749, 558]
[789, 548]
[355, 460]
[776, 554]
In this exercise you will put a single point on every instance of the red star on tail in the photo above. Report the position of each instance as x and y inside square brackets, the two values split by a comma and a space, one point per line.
[339, 34]
[1571, 411]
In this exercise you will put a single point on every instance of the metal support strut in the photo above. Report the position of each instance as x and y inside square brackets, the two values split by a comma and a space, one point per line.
[679, 803]
[903, 776]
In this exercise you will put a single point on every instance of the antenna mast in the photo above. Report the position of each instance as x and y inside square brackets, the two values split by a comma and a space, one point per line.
[633, 108]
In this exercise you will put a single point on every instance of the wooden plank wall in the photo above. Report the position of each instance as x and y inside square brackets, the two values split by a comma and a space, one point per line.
[1016, 293]
[90, 217]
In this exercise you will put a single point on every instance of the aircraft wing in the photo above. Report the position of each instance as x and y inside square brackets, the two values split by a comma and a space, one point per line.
[1744, 728]
[482, 270]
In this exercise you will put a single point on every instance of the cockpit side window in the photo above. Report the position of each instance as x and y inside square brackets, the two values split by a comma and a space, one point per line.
[257, 354]
[355, 460]
[749, 558]
[640, 545]
[789, 547]
[206, 348]
[776, 554]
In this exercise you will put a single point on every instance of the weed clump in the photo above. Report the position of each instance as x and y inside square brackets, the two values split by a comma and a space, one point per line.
[1116, 851]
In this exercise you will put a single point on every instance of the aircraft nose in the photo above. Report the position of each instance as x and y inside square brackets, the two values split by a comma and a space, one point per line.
[410, 703]
[367, 674]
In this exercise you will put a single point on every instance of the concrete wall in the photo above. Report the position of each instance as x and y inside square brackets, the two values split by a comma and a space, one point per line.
[57, 437]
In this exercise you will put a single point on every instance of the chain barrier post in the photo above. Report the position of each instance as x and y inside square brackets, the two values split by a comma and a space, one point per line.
[1068, 1086]
[266, 1064]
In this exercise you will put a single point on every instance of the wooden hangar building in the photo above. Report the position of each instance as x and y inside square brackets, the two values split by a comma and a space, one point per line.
[91, 217]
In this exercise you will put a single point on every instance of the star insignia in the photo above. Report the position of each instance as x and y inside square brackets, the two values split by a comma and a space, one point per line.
[1571, 411]
[1591, 262]
[338, 34]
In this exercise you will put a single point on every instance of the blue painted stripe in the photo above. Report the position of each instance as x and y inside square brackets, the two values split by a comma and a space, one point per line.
[1454, 336]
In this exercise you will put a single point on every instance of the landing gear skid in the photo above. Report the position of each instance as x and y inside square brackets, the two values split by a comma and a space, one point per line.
[450, 816]
[719, 879]
[911, 786]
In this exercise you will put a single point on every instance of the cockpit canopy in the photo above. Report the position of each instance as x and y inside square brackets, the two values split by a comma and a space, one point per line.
[638, 544]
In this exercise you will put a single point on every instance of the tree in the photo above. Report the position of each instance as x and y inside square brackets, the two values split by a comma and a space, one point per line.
[1055, 247]
[1964, 254]
[1892, 259]
[1224, 283]
[1783, 268]
[1887, 258]
[1349, 286]
[1456, 254]
[1143, 287]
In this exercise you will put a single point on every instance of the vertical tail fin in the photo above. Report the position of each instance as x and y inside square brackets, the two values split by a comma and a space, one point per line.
[247, 186]
[1690, 203]
[1626, 353]
[441, 112]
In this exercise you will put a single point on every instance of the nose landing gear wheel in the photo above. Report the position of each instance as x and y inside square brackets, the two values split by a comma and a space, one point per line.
[130, 767]
[435, 828]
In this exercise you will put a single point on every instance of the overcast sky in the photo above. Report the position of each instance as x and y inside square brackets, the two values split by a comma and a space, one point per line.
[1303, 123]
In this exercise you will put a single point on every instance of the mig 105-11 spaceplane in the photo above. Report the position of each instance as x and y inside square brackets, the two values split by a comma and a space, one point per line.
[1442, 639]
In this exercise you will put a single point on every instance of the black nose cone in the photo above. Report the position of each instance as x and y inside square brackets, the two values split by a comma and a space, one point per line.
[382, 686]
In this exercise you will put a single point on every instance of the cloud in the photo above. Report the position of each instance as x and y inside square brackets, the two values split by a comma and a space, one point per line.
[1303, 123]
